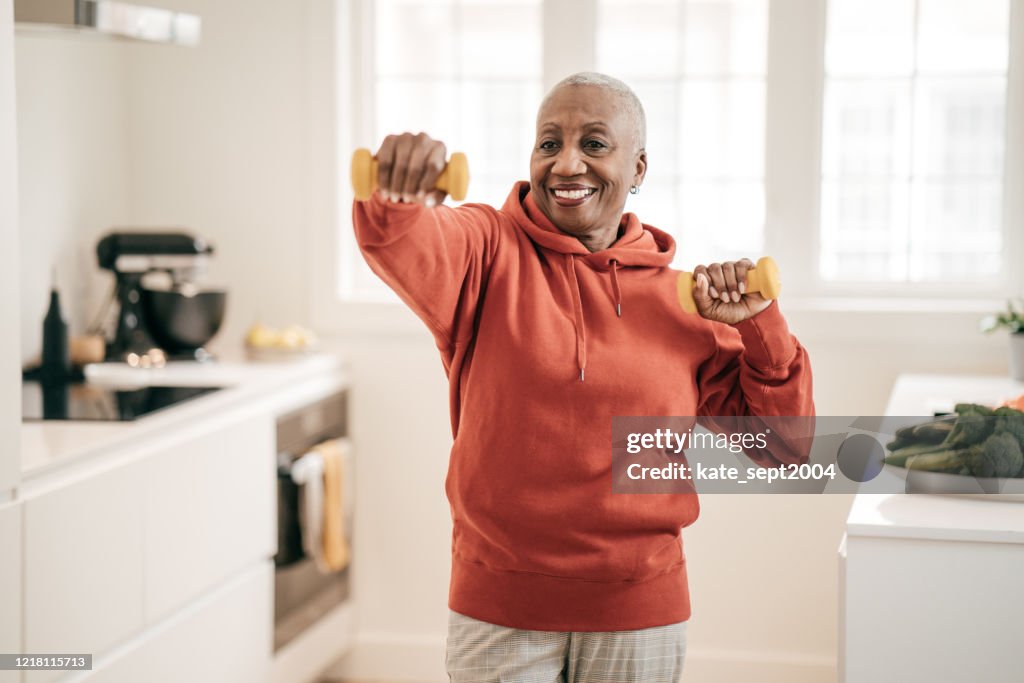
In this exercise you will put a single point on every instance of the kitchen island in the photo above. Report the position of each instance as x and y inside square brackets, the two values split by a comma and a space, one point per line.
[930, 586]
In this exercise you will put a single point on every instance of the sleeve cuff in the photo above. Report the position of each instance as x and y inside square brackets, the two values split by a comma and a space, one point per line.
[766, 339]
[379, 221]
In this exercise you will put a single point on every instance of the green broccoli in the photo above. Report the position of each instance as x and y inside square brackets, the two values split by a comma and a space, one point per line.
[999, 456]
[1012, 422]
[973, 409]
[972, 427]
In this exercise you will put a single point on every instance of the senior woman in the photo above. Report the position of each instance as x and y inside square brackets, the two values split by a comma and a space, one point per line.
[553, 314]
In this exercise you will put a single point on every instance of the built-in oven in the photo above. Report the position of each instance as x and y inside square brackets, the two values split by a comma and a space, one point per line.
[304, 591]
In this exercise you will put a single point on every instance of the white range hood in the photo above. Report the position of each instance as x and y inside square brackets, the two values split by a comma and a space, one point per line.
[120, 19]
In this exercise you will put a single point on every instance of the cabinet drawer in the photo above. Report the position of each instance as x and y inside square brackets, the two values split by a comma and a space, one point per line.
[210, 510]
[83, 554]
[225, 638]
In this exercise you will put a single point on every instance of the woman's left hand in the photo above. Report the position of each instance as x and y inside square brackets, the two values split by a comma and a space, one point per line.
[720, 292]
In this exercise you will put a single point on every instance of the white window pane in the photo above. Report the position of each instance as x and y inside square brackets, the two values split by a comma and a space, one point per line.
[497, 128]
[656, 204]
[960, 128]
[870, 37]
[957, 36]
[955, 217]
[492, 191]
[866, 129]
[726, 37]
[660, 102]
[500, 38]
[721, 220]
[414, 106]
[414, 37]
[859, 266]
[722, 129]
[865, 223]
[638, 38]
[958, 266]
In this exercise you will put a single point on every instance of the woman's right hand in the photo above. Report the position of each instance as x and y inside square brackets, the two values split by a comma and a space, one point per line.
[408, 167]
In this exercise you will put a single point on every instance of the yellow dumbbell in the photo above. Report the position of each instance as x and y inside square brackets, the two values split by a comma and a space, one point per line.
[454, 179]
[763, 278]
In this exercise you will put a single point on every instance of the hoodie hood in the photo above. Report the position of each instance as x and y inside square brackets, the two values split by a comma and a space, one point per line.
[639, 246]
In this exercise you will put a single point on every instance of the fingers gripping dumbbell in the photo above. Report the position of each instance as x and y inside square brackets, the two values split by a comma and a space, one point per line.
[762, 278]
[454, 179]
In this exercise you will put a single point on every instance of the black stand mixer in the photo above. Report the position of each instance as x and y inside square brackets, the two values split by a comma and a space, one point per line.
[160, 323]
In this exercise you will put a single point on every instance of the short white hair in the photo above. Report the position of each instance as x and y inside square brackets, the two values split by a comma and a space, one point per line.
[634, 109]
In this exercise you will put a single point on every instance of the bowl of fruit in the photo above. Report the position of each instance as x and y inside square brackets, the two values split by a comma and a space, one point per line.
[266, 343]
[977, 450]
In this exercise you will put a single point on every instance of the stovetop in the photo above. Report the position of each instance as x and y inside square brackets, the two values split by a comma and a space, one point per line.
[90, 401]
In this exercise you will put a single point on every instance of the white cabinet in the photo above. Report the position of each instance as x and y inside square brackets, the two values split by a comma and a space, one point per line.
[931, 586]
[209, 511]
[225, 637]
[114, 554]
[10, 584]
[84, 565]
[932, 590]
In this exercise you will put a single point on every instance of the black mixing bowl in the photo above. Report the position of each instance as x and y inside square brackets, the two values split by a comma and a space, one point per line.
[180, 320]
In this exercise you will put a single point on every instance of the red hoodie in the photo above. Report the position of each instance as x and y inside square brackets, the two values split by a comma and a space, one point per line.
[538, 361]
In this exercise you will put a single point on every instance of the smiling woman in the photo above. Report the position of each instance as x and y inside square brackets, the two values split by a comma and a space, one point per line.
[553, 314]
[589, 155]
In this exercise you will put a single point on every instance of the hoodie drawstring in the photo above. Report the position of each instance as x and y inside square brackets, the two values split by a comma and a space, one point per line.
[615, 288]
[577, 310]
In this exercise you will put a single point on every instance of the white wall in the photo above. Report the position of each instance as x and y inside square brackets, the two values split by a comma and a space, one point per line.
[73, 165]
[10, 375]
[219, 139]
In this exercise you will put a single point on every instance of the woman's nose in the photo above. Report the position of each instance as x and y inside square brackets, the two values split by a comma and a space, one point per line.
[569, 163]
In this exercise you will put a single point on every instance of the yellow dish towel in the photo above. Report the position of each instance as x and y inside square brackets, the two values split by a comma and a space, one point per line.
[336, 548]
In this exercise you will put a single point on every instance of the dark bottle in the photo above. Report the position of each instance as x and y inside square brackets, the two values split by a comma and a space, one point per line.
[56, 358]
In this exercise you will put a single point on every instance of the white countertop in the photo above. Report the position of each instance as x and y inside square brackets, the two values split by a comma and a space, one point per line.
[925, 516]
[947, 518]
[928, 394]
[53, 444]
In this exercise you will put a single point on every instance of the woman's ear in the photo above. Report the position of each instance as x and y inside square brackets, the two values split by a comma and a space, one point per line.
[641, 167]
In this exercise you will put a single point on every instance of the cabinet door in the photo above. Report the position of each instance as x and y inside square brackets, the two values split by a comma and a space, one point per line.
[83, 577]
[210, 511]
[226, 637]
[10, 584]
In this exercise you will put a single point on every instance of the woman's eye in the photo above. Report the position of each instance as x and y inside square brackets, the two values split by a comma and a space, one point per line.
[547, 145]
[594, 144]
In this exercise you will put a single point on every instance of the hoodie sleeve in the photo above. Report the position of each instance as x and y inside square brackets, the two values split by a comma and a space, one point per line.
[759, 369]
[435, 259]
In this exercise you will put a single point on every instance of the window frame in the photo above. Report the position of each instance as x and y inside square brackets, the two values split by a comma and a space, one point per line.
[341, 55]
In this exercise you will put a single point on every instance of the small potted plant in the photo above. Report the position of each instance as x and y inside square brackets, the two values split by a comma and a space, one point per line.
[1012, 319]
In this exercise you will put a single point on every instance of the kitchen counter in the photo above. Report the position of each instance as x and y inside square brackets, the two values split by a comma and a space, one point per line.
[944, 518]
[271, 386]
[928, 394]
[930, 585]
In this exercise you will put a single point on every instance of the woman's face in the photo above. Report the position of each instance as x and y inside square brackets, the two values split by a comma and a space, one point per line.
[584, 162]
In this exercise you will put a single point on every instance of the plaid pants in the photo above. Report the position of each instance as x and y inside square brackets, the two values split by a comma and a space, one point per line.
[479, 652]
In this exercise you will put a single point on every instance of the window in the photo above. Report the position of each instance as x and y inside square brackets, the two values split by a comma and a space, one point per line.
[913, 143]
[699, 69]
[467, 72]
[865, 143]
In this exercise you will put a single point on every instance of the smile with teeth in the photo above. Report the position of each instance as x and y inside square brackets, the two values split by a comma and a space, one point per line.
[575, 194]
